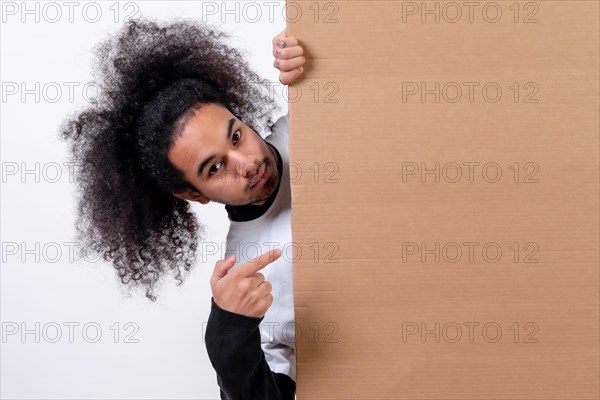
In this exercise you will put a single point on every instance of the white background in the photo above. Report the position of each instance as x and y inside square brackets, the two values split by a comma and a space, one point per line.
[143, 349]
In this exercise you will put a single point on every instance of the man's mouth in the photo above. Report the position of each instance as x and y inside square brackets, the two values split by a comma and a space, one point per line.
[261, 177]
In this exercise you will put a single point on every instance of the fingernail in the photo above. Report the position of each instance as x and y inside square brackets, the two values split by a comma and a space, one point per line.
[282, 44]
[301, 69]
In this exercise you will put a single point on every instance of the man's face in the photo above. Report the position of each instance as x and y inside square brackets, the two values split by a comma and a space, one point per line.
[224, 159]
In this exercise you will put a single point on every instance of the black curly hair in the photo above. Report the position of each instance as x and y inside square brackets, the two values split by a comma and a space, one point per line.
[150, 77]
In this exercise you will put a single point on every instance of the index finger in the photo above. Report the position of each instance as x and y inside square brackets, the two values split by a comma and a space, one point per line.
[256, 264]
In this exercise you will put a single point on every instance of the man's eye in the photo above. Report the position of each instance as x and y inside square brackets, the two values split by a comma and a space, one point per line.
[214, 169]
[236, 136]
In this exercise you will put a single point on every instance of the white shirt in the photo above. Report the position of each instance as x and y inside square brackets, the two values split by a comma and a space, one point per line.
[250, 239]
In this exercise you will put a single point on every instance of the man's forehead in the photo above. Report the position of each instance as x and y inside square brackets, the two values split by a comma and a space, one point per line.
[208, 122]
[202, 134]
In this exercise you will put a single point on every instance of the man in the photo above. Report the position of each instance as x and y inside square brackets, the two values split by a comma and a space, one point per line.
[174, 122]
[237, 166]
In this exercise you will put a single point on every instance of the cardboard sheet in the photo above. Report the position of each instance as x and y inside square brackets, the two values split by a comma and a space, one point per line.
[445, 182]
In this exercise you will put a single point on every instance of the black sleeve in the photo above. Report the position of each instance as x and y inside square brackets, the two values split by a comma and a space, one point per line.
[233, 344]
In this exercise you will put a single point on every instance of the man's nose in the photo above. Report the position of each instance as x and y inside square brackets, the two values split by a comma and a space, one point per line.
[243, 164]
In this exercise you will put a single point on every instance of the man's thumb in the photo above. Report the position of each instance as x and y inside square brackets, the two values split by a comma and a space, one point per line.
[222, 267]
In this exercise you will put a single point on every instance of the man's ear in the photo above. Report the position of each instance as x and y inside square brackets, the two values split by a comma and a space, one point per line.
[191, 195]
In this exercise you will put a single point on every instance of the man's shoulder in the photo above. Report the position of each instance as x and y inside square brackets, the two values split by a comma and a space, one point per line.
[279, 132]
[282, 122]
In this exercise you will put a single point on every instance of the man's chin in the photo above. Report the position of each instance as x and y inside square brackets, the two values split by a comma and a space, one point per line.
[259, 199]
[262, 199]
[270, 189]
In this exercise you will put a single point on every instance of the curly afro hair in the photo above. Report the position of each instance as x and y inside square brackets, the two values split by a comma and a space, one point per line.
[150, 77]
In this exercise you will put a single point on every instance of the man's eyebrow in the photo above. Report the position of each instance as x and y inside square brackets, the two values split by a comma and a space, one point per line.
[204, 163]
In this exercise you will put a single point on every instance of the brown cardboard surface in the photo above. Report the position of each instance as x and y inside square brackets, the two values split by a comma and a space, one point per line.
[367, 219]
